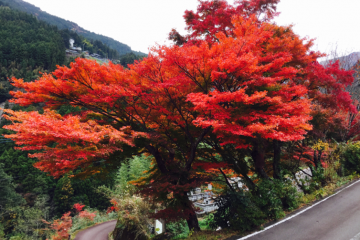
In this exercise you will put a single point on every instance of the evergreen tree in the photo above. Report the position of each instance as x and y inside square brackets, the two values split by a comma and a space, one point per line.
[8, 195]
[122, 177]
[63, 195]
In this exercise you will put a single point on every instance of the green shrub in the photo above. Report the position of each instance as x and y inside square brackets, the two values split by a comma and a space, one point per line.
[237, 210]
[204, 223]
[317, 179]
[278, 192]
[134, 213]
[351, 158]
[178, 229]
[268, 198]
[244, 210]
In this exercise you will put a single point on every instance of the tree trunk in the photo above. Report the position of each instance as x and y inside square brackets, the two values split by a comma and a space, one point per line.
[192, 219]
[276, 160]
[257, 155]
[193, 222]
[186, 204]
[317, 160]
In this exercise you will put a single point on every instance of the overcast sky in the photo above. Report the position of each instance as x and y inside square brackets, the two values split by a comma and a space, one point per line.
[142, 23]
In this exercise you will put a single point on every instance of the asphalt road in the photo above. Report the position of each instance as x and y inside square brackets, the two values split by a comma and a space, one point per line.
[97, 232]
[336, 218]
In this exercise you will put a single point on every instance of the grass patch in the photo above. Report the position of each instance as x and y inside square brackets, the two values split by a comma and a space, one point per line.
[212, 235]
[327, 190]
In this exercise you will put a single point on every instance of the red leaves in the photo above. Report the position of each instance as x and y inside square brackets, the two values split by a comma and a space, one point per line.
[333, 82]
[237, 106]
[62, 227]
[110, 209]
[254, 83]
[213, 17]
[84, 213]
[87, 215]
[77, 142]
[78, 207]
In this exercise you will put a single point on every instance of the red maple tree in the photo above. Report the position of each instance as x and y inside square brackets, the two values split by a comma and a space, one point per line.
[246, 84]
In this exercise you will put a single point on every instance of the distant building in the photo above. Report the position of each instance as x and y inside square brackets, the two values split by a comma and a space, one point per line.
[78, 49]
[71, 52]
[71, 41]
[95, 55]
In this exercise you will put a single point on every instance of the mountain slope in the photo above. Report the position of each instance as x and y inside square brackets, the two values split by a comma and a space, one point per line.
[347, 62]
[27, 46]
[64, 24]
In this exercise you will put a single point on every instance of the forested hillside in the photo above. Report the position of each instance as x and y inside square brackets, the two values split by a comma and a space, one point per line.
[27, 46]
[64, 24]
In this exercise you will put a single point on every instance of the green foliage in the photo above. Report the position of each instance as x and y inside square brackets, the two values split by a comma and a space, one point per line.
[69, 191]
[130, 171]
[129, 58]
[29, 219]
[8, 196]
[134, 214]
[237, 210]
[63, 194]
[178, 229]
[273, 196]
[245, 210]
[317, 179]
[351, 156]
[85, 192]
[122, 177]
[24, 222]
[27, 47]
[28, 179]
[138, 166]
[2, 233]
[67, 109]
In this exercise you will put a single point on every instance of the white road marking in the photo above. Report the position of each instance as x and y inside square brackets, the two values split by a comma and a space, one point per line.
[286, 219]
[356, 237]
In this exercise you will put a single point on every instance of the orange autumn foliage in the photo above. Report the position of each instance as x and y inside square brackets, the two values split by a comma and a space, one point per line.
[62, 227]
[78, 142]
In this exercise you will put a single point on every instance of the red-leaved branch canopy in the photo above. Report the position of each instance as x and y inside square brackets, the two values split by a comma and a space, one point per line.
[255, 81]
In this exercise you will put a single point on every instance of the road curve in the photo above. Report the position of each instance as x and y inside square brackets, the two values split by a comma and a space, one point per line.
[336, 218]
[97, 232]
